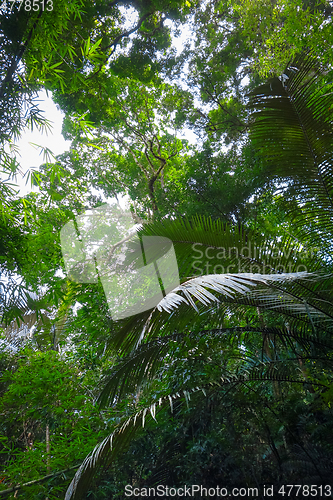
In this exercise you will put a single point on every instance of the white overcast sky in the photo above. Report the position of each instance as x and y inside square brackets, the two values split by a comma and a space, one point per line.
[31, 156]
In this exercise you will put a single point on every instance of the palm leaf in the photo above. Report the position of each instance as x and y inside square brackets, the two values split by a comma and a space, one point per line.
[116, 443]
[302, 300]
[292, 129]
[143, 364]
[226, 284]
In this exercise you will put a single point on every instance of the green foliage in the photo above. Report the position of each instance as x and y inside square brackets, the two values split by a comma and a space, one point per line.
[279, 30]
[291, 353]
[44, 390]
[228, 380]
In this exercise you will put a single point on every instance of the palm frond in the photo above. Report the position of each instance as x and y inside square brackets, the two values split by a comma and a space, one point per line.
[292, 129]
[116, 443]
[28, 315]
[284, 295]
[143, 364]
[226, 284]
[214, 245]
[13, 298]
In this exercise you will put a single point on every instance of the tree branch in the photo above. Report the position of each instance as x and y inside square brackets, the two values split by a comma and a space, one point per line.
[235, 120]
[16, 59]
[19, 486]
[128, 147]
[117, 40]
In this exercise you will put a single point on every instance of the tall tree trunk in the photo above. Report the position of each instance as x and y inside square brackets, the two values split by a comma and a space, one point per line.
[48, 448]
[47, 438]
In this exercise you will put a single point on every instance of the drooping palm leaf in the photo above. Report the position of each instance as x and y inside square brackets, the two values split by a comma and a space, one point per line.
[223, 284]
[115, 444]
[143, 364]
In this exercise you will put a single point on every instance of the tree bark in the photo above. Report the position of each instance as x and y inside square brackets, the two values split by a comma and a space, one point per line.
[48, 447]
[47, 438]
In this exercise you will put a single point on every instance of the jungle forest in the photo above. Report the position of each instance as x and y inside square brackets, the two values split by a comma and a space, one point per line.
[205, 128]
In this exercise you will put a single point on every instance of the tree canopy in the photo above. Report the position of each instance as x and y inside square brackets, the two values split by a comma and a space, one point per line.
[218, 154]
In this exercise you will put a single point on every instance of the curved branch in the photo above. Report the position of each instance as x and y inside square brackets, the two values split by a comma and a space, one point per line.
[49, 476]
